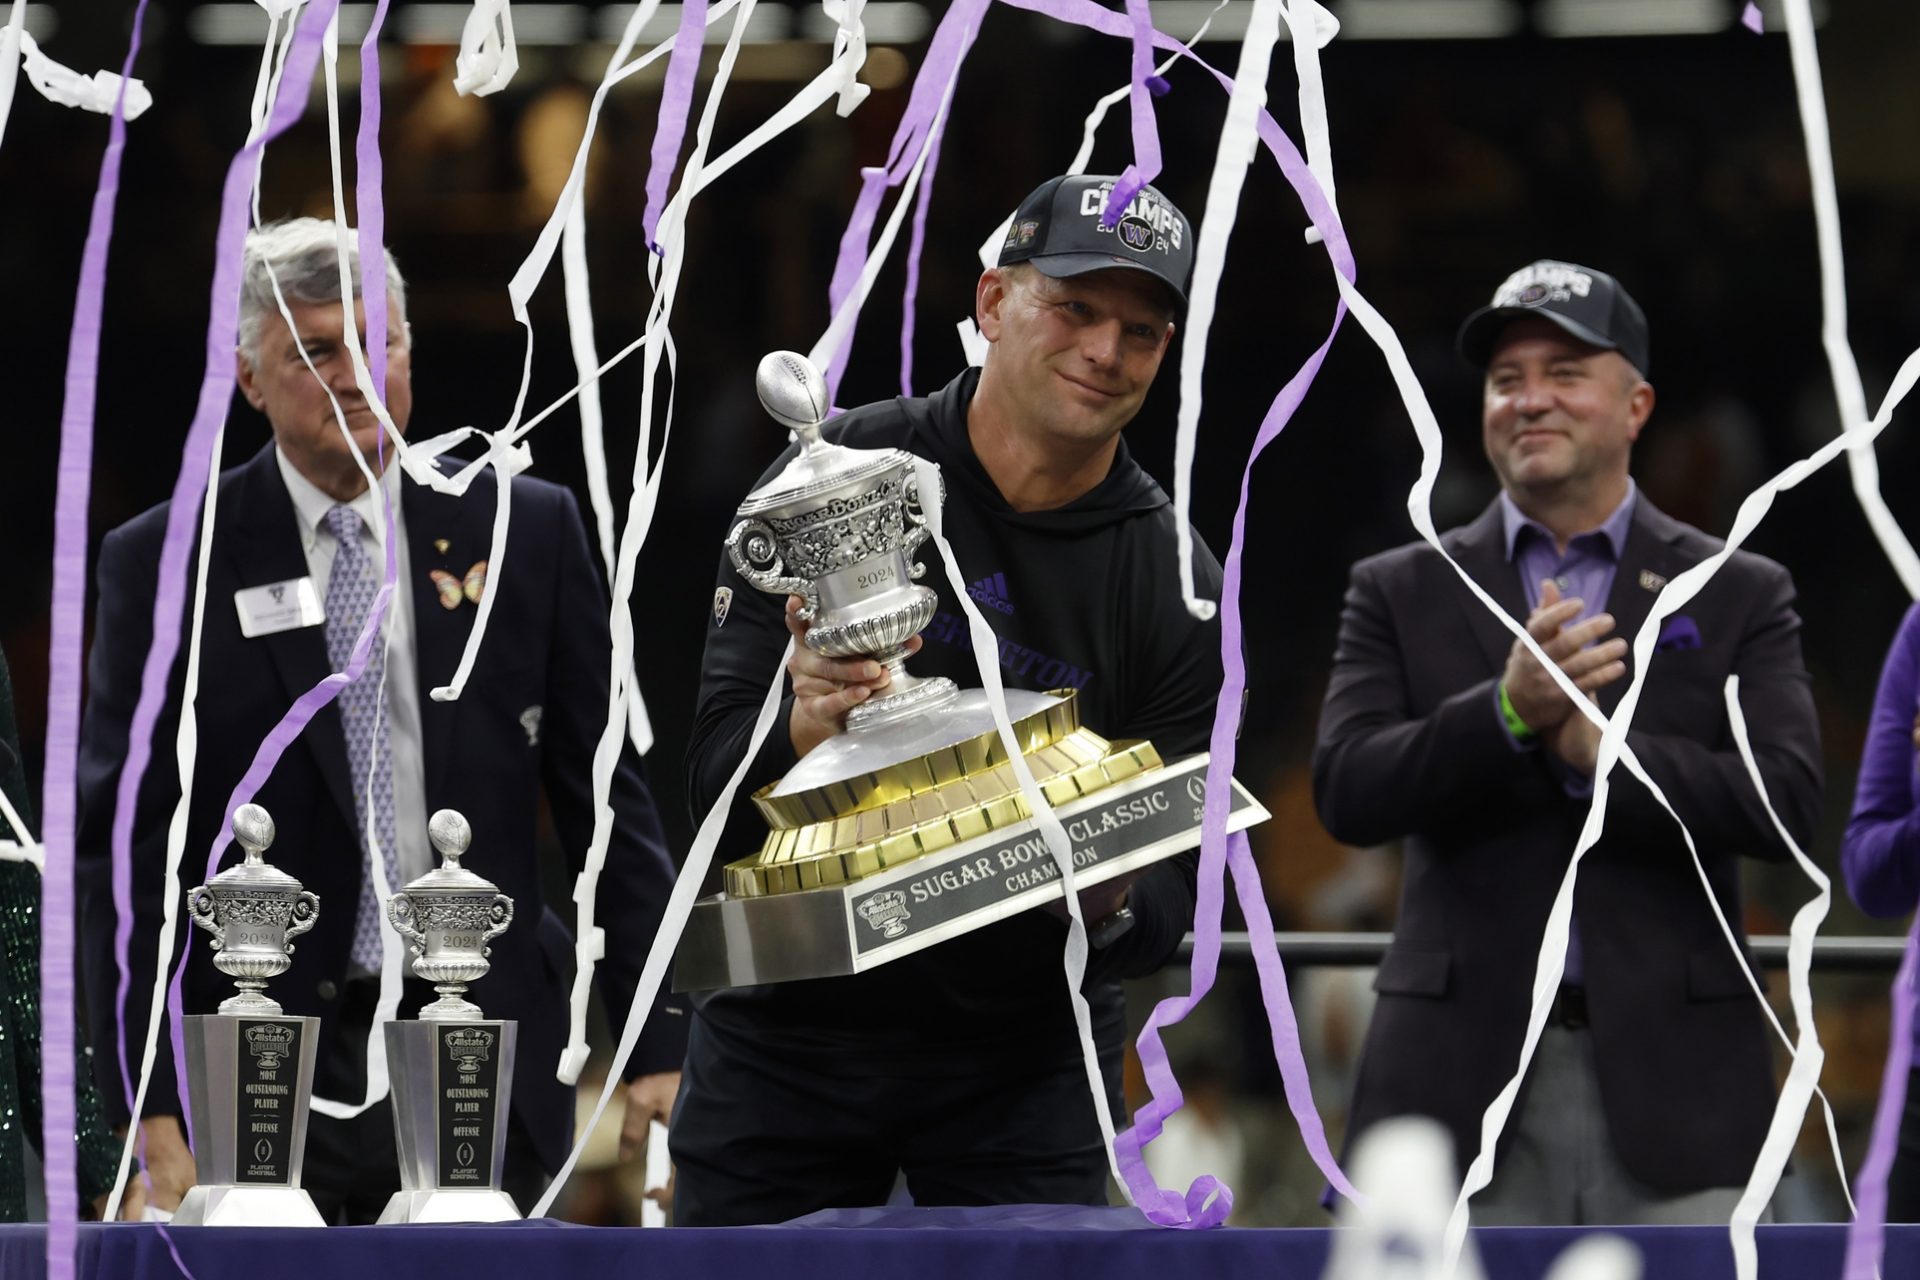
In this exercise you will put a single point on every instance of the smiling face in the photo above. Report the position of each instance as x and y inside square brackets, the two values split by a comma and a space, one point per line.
[279, 384]
[1075, 356]
[1559, 415]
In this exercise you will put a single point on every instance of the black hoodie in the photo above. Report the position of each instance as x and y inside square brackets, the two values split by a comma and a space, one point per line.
[1086, 595]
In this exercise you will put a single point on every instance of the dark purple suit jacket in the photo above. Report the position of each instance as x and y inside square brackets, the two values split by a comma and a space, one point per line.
[1411, 749]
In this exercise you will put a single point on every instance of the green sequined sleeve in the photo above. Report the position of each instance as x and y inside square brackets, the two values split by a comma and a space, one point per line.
[20, 1113]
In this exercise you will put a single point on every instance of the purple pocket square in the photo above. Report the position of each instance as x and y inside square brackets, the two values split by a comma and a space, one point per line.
[1679, 633]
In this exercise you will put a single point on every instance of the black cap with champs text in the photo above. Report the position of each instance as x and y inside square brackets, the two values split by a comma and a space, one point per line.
[1058, 229]
[1591, 305]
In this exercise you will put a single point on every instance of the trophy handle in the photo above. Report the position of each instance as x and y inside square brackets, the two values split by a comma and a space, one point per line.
[305, 913]
[200, 907]
[755, 553]
[400, 916]
[916, 531]
[502, 916]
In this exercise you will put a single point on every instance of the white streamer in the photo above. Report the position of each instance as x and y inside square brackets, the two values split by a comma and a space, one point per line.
[488, 56]
[22, 847]
[1808, 1056]
[1862, 465]
[56, 83]
[849, 52]
[593, 444]
[679, 905]
[392, 951]
[589, 937]
[986, 653]
[1239, 139]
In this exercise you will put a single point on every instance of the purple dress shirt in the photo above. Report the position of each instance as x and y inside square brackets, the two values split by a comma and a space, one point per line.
[1880, 853]
[1586, 570]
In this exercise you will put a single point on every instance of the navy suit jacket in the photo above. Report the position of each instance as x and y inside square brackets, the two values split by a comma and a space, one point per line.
[546, 647]
[1411, 748]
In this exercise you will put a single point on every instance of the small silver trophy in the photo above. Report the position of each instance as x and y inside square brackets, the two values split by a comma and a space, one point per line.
[452, 1069]
[249, 1066]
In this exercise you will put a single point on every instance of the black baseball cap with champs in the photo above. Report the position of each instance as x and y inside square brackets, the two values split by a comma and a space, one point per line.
[1591, 305]
[1058, 229]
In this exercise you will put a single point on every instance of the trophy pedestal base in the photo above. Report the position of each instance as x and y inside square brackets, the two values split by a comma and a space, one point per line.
[486, 1205]
[242, 1206]
[848, 928]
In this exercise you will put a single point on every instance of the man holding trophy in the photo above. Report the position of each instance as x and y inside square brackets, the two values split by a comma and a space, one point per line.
[959, 1064]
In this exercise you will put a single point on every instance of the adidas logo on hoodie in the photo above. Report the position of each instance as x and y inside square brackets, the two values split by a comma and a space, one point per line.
[992, 591]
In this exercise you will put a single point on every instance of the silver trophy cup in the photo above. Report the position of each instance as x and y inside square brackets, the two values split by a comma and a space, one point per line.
[838, 528]
[249, 1066]
[452, 1069]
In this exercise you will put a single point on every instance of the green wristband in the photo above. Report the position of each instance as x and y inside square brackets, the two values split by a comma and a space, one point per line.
[1515, 725]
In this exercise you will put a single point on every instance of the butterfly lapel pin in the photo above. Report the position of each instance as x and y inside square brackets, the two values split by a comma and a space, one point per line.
[453, 590]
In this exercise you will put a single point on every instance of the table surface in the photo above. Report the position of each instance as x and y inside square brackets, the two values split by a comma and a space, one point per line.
[918, 1244]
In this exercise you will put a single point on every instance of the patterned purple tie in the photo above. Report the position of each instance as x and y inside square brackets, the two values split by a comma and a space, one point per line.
[350, 592]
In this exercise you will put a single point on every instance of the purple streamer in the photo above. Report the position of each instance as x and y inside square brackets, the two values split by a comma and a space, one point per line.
[1866, 1236]
[676, 103]
[1216, 848]
[369, 174]
[309, 704]
[58, 801]
[216, 393]
[1751, 19]
[951, 41]
[911, 292]
[173, 1251]
[1146, 133]
[1194, 1209]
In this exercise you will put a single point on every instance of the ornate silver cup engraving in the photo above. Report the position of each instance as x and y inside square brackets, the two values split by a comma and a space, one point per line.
[838, 527]
[253, 911]
[448, 917]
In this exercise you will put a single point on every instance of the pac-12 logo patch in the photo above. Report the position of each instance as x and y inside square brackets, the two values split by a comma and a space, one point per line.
[722, 603]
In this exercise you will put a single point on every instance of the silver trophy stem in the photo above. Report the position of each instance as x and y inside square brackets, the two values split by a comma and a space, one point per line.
[251, 1000]
[452, 1006]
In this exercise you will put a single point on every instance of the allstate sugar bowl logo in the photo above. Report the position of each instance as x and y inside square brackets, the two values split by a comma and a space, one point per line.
[469, 1047]
[887, 912]
[269, 1045]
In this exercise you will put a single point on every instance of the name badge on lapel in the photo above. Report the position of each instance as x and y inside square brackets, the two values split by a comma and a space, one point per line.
[279, 606]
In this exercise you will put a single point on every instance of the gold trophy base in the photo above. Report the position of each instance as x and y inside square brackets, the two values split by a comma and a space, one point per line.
[884, 818]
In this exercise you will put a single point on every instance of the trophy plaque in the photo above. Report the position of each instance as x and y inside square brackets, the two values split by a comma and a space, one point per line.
[250, 1066]
[452, 1068]
[910, 827]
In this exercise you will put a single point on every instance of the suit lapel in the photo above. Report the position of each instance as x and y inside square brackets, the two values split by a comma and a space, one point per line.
[263, 547]
[1481, 549]
[450, 535]
[1648, 562]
